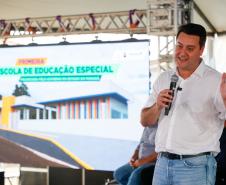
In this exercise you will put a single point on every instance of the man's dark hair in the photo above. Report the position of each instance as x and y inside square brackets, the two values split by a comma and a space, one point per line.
[194, 29]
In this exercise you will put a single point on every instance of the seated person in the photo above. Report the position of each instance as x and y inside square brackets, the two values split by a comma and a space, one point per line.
[221, 160]
[143, 157]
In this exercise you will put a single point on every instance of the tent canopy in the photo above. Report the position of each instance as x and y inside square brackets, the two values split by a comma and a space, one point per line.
[212, 12]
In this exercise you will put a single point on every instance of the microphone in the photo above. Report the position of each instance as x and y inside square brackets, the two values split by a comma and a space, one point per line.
[173, 84]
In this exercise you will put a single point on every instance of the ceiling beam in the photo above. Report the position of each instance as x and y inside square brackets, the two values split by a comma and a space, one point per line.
[222, 33]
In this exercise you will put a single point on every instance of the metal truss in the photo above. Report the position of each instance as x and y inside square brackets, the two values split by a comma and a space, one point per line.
[160, 18]
[165, 16]
[165, 50]
[133, 21]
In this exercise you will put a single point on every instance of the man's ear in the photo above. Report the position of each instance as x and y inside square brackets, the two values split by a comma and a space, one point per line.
[201, 50]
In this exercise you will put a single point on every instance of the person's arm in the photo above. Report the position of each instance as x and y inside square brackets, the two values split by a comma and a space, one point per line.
[148, 159]
[223, 88]
[150, 115]
[134, 156]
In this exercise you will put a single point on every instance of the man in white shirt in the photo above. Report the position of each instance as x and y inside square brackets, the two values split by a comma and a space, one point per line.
[188, 134]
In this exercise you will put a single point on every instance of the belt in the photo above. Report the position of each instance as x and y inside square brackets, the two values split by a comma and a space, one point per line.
[176, 156]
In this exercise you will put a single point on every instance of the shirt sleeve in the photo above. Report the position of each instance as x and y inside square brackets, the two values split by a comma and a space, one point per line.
[154, 94]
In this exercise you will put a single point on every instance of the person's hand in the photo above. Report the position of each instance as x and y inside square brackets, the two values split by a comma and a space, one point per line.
[131, 162]
[136, 163]
[139, 162]
[223, 88]
[134, 157]
[164, 98]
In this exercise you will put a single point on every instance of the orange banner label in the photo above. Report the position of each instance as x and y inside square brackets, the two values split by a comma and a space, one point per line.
[31, 61]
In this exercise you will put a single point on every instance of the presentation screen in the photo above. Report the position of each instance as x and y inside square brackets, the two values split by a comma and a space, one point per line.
[87, 97]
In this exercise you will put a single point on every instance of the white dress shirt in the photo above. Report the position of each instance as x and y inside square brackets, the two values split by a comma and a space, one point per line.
[196, 119]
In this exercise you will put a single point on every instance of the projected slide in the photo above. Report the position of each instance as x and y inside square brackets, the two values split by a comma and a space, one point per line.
[88, 90]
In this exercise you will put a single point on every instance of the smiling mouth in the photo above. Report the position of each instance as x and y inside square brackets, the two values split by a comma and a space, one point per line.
[182, 59]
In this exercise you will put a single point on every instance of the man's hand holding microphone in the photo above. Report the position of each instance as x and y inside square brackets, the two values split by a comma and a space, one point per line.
[165, 97]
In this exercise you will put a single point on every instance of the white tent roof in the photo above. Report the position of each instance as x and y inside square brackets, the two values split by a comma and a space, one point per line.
[214, 11]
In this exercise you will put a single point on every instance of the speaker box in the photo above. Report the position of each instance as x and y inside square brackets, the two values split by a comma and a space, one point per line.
[64, 176]
[2, 178]
[97, 177]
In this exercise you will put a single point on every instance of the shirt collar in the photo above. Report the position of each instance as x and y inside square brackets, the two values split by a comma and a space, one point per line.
[200, 69]
[198, 72]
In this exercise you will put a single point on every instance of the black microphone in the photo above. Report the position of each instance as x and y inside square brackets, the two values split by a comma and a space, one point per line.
[173, 84]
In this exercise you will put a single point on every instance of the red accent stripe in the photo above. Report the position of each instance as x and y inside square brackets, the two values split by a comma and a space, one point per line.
[59, 111]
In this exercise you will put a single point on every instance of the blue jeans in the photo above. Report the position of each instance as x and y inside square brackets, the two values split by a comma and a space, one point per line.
[199, 170]
[127, 175]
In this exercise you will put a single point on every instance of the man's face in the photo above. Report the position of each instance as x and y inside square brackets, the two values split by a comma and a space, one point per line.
[187, 52]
